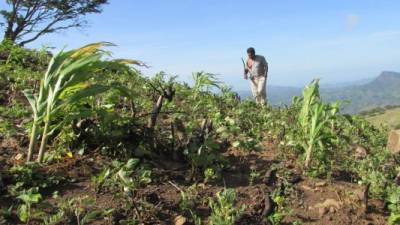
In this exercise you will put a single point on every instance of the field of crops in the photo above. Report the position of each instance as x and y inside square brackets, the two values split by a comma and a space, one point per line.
[87, 139]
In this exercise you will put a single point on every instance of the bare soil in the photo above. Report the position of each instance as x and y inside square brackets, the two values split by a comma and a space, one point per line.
[311, 201]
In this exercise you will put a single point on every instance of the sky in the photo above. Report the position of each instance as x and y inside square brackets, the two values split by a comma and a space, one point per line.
[337, 41]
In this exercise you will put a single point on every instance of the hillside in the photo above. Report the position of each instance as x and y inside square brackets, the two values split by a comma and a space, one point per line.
[384, 116]
[121, 156]
[380, 92]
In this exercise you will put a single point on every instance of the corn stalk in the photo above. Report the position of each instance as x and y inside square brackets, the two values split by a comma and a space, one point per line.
[315, 119]
[66, 82]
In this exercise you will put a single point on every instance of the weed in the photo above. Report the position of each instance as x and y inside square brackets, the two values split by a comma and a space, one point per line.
[254, 175]
[209, 175]
[189, 197]
[223, 210]
[29, 198]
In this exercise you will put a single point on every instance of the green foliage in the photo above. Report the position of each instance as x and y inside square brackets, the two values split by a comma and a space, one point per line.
[8, 115]
[254, 175]
[126, 176]
[29, 176]
[279, 213]
[378, 93]
[394, 205]
[28, 198]
[54, 219]
[78, 210]
[20, 67]
[194, 127]
[223, 210]
[99, 180]
[5, 214]
[189, 198]
[210, 174]
[65, 83]
[316, 120]
[378, 170]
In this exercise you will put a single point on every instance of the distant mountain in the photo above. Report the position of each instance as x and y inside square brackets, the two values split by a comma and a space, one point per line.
[364, 95]
[382, 91]
[346, 84]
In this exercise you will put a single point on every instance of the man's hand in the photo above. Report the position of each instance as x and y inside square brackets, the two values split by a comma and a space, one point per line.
[245, 73]
[251, 78]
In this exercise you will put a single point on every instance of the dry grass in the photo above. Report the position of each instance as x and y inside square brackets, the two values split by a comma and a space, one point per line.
[390, 118]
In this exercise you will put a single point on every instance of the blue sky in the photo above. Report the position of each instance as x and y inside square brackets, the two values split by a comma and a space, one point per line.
[337, 41]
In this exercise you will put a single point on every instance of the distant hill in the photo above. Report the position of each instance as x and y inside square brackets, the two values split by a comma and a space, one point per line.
[388, 116]
[346, 83]
[382, 91]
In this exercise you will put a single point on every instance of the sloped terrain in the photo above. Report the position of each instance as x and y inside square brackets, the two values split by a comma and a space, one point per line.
[379, 92]
[157, 151]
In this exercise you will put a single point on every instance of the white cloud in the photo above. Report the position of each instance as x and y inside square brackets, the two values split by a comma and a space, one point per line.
[352, 21]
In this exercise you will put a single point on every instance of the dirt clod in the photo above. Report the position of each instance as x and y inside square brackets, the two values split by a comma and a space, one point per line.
[180, 220]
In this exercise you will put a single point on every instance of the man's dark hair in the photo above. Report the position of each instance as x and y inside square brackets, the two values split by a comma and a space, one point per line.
[251, 50]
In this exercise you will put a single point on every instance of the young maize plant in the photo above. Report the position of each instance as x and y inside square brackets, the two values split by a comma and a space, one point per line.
[314, 118]
[66, 81]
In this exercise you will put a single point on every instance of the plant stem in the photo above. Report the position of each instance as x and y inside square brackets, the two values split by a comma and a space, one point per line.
[43, 142]
[32, 142]
[308, 155]
[154, 114]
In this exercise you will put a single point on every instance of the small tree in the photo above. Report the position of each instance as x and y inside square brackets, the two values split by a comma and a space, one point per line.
[27, 20]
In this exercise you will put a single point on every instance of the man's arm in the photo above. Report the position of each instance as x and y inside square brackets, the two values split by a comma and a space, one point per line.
[265, 66]
[246, 69]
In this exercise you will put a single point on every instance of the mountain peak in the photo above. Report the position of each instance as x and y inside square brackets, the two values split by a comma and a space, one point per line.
[389, 75]
[388, 78]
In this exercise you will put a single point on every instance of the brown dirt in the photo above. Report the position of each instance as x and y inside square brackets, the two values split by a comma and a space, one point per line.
[161, 198]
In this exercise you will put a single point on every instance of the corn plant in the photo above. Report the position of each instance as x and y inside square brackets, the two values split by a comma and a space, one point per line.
[67, 81]
[81, 209]
[315, 119]
[98, 181]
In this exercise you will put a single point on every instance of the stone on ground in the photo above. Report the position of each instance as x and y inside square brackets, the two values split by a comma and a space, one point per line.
[394, 142]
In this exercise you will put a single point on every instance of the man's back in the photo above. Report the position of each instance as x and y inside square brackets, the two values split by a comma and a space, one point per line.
[258, 66]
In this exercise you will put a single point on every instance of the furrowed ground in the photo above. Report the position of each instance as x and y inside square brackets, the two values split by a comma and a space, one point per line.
[120, 148]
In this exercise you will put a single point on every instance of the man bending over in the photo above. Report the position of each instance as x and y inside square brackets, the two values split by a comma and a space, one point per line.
[257, 69]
